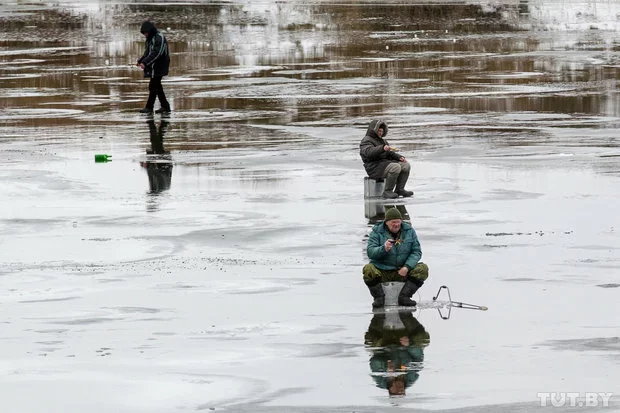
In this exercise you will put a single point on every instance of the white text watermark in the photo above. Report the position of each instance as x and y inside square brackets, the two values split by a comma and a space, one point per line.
[574, 399]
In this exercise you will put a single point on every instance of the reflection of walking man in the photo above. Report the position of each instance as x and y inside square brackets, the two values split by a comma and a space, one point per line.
[159, 171]
[395, 253]
[382, 162]
[397, 353]
[155, 62]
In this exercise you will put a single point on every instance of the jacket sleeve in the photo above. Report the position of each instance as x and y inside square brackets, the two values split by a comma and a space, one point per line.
[146, 51]
[370, 151]
[375, 249]
[416, 252]
[157, 50]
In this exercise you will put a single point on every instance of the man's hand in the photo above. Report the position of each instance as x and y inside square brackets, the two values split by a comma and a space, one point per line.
[403, 272]
[402, 159]
[388, 245]
[386, 148]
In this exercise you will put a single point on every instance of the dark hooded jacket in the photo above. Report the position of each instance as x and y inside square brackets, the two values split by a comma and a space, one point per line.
[156, 57]
[371, 150]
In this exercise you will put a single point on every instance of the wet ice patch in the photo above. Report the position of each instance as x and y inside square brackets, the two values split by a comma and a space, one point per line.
[243, 70]
[150, 387]
[103, 79]
[41, 50]
[574, 15]
[28, 92]
[237, 333]
[77, 103]
[513, 75]
[305, 72]
[325, 329]
[610, 285]
[533, 116]
[78, 318]
[33, 113]
[375, 59]
[15, 62]
[504, 194]
[77, 69]
[520, 279]
[48, 300]
[606, 344]
[258, 285]
[20, 76]
[318, 350]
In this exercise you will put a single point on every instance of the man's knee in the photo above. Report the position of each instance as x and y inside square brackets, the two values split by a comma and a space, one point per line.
[371, 274]
[419, 272]
[392, 168]
[405, 166]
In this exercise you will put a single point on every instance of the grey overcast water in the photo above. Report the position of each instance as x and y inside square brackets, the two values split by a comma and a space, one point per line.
[215, 263]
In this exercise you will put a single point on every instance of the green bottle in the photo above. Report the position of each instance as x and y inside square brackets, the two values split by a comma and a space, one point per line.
[102, 158]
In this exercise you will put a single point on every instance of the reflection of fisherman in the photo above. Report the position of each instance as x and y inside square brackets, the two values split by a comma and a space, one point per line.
[398, 353]
[375, 211]
[159, 170]
[395, 253]
[382, 162]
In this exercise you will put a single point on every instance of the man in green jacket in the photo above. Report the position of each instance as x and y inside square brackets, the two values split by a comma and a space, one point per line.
[395, 253]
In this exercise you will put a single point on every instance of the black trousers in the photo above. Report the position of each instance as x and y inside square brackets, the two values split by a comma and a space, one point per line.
[156, 91]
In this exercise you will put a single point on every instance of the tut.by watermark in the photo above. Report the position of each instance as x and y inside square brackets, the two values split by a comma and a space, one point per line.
[574, 399]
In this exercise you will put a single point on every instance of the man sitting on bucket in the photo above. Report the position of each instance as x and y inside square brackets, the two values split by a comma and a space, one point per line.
[394, 252]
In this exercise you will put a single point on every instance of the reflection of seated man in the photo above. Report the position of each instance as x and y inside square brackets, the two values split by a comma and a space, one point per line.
[395, 253]
[397, 354]
[375, 211]
[159, 173]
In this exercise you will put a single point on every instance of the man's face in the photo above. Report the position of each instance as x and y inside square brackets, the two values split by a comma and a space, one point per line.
[397, 388]
[394, 225]
[380, 132]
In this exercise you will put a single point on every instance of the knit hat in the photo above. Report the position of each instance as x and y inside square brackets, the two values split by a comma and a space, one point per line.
[392, 213]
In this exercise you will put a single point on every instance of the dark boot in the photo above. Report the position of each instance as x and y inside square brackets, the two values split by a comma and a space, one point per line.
[146, 110]
[410, 287]
[404, 193]
[390, 182]
[377, 293]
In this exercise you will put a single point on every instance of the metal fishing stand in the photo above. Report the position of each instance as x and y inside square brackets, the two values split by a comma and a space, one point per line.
[458, 304]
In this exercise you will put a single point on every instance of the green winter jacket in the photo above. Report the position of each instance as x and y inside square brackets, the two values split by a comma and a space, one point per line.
[406, 252]
[407, 360]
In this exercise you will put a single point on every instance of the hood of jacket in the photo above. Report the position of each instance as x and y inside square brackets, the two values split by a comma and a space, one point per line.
[148, 27]
[374, 126]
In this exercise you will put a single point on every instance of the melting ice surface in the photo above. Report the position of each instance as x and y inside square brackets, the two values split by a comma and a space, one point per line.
[215, 262]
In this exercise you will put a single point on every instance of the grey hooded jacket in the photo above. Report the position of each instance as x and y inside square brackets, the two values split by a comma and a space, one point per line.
[375, 158]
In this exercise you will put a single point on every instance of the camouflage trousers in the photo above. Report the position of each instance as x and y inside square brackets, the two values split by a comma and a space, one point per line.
[374, 275]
